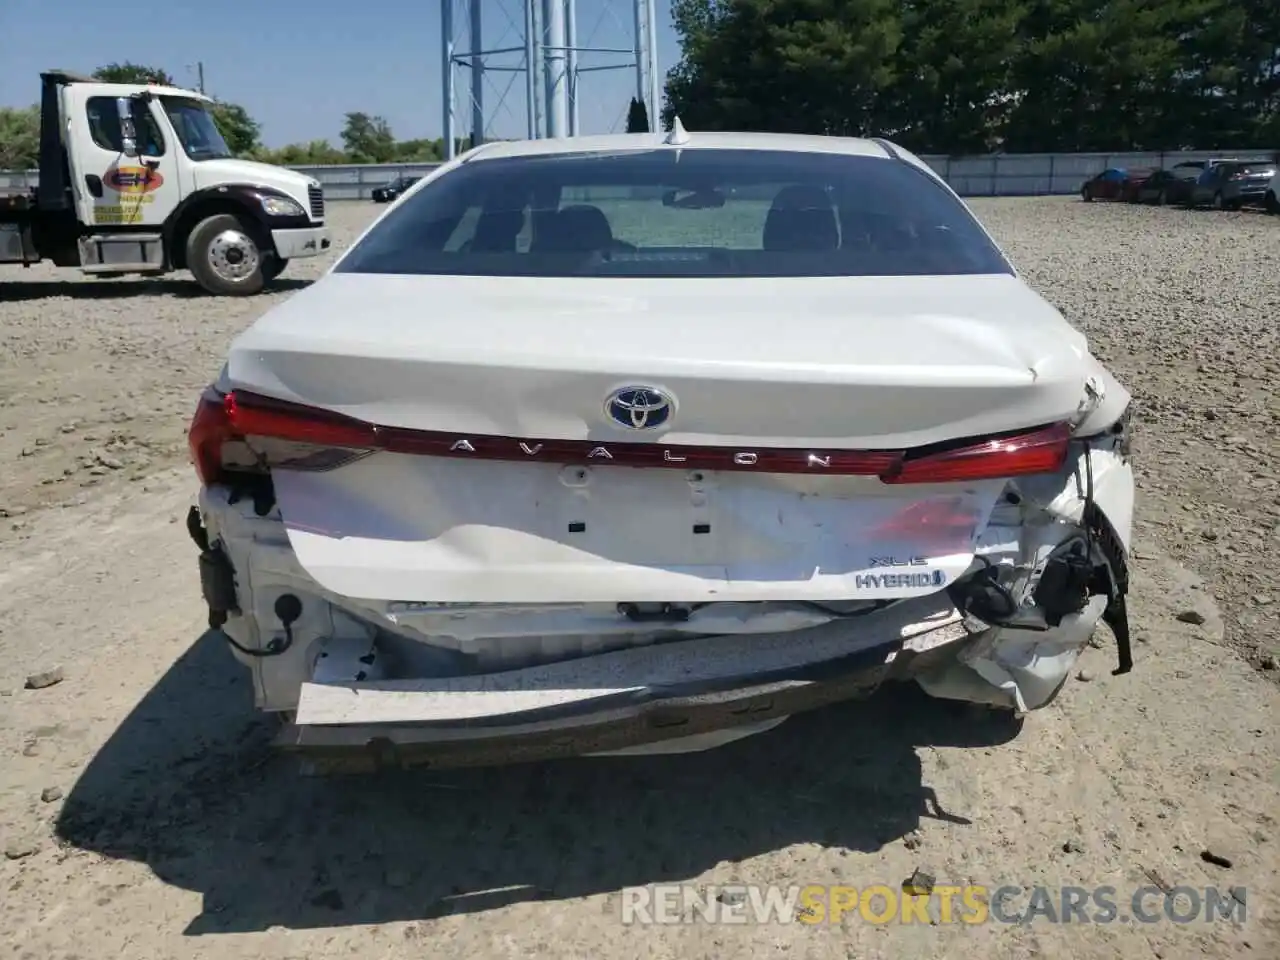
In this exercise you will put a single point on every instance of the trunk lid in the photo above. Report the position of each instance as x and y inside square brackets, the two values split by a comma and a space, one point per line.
[857, 363]
[829, 364]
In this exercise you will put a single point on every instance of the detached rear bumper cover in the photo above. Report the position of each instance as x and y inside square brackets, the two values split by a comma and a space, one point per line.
[673, 692]
[623, 679]
[612, 701]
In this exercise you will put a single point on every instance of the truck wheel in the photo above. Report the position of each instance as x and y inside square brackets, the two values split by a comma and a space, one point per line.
[225, 258]
[272, 267]
[1272, 204]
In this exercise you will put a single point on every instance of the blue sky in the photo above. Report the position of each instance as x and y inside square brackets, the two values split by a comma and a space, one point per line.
[299, 65]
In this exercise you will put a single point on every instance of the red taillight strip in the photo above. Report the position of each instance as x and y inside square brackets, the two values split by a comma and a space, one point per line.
[1043, 450]
[250, 415]
[256, 416]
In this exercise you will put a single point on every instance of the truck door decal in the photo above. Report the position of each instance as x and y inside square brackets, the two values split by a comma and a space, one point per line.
[132, 186]
[133, 179]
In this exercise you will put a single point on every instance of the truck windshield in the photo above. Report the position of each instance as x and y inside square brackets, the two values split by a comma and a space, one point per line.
[196, 129]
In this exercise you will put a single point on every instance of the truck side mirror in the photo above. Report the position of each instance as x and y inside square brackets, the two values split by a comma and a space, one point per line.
[128, 135]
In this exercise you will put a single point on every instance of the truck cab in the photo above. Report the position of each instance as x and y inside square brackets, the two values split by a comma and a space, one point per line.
[137, 179]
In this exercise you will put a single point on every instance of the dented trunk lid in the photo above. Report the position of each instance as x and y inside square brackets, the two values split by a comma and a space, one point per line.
[830, 364]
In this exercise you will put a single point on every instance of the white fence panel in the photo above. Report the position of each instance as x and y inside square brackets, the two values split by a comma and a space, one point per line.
[998, 175]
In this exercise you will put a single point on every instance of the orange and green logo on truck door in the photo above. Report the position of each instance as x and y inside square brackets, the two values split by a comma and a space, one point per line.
[132, 180]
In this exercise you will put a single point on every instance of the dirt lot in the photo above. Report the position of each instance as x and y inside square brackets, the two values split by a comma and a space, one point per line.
[141, 815]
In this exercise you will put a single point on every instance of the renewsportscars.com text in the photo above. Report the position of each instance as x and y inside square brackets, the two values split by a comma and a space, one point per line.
[882, 904]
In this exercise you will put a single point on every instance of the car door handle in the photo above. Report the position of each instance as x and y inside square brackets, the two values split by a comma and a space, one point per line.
[94, 183]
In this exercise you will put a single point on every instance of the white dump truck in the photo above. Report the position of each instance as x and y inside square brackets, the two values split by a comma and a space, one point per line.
[136, 179]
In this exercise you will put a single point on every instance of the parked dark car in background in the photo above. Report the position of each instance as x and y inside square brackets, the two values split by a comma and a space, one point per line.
[1114, 183]
[1192, 170]
[1232, 185]
[1164, 186]
[389, 191]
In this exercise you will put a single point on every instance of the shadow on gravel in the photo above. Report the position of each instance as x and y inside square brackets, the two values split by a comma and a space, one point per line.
[89, 289]
[188, 786]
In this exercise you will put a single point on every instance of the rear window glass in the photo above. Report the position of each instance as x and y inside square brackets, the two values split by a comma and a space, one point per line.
[1256, 167]
[680, 213]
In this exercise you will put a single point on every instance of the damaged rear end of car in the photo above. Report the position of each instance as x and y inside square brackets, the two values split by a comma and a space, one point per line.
[979, 570]
[532, 534]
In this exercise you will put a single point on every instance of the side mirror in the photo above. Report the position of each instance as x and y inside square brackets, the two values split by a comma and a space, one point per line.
[128, 135]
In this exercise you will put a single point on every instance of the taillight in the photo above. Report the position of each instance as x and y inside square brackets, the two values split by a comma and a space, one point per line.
[284, 434]
[1033, 451]
[210, 429]
[254, 416]
[291, 435]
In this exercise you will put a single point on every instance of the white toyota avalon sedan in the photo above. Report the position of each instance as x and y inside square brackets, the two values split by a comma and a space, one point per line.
[644, 443]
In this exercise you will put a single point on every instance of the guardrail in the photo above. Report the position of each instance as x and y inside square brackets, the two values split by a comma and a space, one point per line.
[997, 175]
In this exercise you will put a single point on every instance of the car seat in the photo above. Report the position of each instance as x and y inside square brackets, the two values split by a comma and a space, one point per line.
[801, 218]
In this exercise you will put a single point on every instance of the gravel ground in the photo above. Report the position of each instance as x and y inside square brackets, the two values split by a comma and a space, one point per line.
[141, 815]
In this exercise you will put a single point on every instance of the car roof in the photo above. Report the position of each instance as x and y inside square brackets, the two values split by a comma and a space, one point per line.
[609, 143]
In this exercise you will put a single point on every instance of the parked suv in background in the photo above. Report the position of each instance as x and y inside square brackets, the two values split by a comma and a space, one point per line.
[1231, 185]
[390, 191]
[1192, 170]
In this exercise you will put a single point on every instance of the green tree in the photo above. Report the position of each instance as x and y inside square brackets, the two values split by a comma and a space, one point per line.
[1106, 74]
[954, 87]
[19, 138]
[958, 76]
[240, 130]
[419, 151]
[797, 66]
[637, 117]
[128, 72]
[368, 139]
[302, 154]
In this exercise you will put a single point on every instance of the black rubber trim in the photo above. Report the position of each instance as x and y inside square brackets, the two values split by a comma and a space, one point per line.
[887, 147]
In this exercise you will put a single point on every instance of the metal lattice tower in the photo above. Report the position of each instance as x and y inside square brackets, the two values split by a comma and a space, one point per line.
[539, 41]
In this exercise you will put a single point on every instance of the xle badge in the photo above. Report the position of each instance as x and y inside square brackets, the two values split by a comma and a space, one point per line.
[896, 562]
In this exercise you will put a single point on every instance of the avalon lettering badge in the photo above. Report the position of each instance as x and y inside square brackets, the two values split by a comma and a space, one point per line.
[639, 407]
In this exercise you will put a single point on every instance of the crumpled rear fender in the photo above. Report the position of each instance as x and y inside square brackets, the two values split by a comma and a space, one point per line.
[1093, 497]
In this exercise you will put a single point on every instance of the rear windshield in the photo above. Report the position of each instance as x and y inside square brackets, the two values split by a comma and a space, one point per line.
[1256, 167]
[680, 213]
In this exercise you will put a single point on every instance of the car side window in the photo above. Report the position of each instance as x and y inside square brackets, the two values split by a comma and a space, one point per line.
[104, 126]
